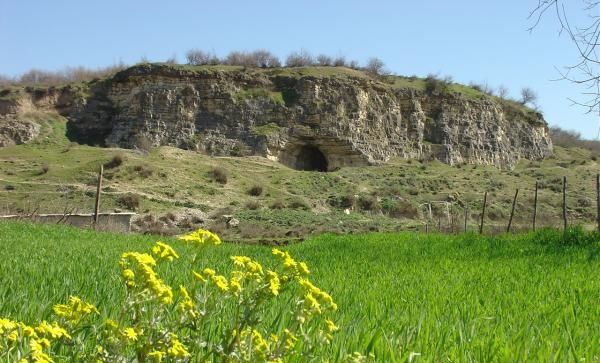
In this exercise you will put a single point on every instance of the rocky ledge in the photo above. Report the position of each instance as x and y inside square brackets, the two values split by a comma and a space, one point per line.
[307, 118]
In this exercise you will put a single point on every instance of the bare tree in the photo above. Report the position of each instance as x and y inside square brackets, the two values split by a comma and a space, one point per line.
[300, 58]
[528, 96]
[585, 36]
[324, 60]
[340, 62]
[375, 66]
[502, 92]
[200, 57]
[258, 58]
[5, 80]
[265, 59]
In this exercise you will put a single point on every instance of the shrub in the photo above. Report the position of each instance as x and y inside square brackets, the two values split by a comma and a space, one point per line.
[219, 175]
[300, 58]
[324, 60]
[368, 203]
[299, 203]
[143, 171]
[528, 96]
[252, 205]
[277, 204]
[375, 66]
[258, 59]
[200, 57]
[256, 190]
[399, 208]
[116, 161]
[570, 139]
[129, 201]
[436, 85]
[44, 169]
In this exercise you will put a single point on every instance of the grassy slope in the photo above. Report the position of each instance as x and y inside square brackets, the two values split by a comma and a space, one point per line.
[181, 179]
[460, 298]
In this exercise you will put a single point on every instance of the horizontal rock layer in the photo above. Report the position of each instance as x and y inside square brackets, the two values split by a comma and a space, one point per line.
[351, 119]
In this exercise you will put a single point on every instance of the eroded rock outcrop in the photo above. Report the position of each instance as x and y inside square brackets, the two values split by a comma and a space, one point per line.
[308, 119]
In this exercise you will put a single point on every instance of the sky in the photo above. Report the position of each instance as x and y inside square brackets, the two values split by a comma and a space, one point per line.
[470, 40]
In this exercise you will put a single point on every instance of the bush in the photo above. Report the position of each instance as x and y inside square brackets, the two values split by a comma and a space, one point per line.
[253, 205]
[277, 204]
[301, 58]
[324, 60]
[299, 203]
[44, 169]
[257, 59]
[368, 203]
[129, 201]
[570, 139]
[115, 162]
[399, 209]
[143, 171]
[375, 66]
[219, 175]
[200, 57]
[436, 85]
[255, 191]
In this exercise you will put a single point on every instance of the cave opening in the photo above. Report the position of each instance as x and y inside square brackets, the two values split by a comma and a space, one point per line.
[310, 158]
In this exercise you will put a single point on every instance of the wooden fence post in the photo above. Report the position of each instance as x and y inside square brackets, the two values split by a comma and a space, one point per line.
[466, 215]
[512, 212]
[564, 206]
[535, 201]
[598, 200]
[98, 190]
[483, 213]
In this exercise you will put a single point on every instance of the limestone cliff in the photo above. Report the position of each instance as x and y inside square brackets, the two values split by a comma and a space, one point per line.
[312, 118]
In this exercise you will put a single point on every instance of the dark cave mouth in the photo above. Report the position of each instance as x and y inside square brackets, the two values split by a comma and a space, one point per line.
[310, 158]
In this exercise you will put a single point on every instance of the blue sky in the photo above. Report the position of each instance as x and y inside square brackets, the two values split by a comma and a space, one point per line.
[471, 40]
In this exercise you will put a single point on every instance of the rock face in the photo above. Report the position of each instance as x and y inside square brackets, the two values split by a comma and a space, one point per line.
[314, 119]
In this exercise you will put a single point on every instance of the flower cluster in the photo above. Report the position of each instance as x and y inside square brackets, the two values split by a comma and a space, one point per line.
[138, 272]
[216, 317]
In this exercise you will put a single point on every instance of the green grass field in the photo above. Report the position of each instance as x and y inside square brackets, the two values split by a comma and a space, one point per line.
[435, 298]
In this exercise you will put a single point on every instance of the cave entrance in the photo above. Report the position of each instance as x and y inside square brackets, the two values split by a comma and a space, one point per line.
[310, 158]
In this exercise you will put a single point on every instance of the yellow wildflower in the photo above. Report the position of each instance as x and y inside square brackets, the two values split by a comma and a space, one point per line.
[261, 348]
[202, 237]
[198, 276]
[7, 325]
[53, 330]
[274, 283]
[186, 304]
[130, 334]
[331, 327]
[157, 355]
[209, 272]
[290, 339]
[221, 282]
[12, 337]
[235, 285]
[177, 349]
[164, 252]
[75, 310]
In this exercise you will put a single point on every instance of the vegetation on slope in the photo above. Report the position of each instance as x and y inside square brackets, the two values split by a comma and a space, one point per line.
[53, 175]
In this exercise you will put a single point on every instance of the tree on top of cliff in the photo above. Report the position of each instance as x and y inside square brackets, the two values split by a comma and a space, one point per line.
[586, 37]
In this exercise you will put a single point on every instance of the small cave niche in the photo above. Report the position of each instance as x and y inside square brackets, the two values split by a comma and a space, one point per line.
[308, 158]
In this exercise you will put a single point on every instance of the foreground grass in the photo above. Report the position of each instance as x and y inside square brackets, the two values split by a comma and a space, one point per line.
[430, 297]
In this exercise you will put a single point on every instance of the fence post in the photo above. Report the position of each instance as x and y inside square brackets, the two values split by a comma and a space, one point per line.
[466, 215]
[98, 190]
[535, 200]
[598, 200]
[564, 206]
[512, 212]
[483, 213]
